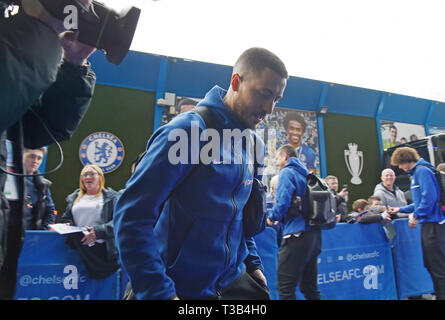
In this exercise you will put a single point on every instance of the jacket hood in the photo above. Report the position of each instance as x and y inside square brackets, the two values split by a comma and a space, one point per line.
[421, 162]
[297, 165]
[215, 99]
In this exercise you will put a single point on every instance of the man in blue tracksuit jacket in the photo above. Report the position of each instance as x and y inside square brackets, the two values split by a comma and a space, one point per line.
[301, 244]
[427, 211]
[178, 224]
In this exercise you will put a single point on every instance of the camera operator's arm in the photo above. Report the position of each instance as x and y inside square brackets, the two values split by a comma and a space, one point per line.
[65, 103]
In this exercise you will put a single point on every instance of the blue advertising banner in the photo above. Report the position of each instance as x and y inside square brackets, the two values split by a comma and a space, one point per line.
[412, 277]
[357, 262]
[50, 270]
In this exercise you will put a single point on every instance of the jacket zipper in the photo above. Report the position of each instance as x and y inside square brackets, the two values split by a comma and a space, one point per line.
[234, 206]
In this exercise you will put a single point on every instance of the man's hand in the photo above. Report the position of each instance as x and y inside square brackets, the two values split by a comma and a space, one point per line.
[258, 273]
[74, 51]
[386, 216]
[343, 193]
[270, 222]
[392, 210]
[90, 238]
[412, 222]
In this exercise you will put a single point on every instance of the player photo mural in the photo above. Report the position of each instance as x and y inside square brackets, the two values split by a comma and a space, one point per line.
[397, 133]
[296, 127]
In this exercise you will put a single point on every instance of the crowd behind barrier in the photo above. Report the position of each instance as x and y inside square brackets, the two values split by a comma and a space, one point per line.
[357, 263]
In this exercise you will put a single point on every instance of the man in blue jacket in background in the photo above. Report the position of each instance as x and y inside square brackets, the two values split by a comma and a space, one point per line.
[178, 224]
[427, 211]
[301, 245]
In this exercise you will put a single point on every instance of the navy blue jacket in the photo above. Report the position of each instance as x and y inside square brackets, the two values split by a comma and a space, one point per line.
[291, 178]
[195, 246]
[426, 194]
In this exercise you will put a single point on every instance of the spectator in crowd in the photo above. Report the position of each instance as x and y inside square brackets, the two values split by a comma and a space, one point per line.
[92, 206]
[271, 198]
[301, 245]
[341, 197]
[273, 188]
[427, 211]
[181, 208]
[44, 73]
[366, 212]
[389, 193]
[403, 140]
[413, 137]
[39, 211]
[186, 104]
[295, 126]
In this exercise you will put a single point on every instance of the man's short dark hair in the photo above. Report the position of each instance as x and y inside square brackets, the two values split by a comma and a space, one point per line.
[359, 204]
[404, 155]
[288, 149]
[186, 101]
[294, 115]
[256, 59]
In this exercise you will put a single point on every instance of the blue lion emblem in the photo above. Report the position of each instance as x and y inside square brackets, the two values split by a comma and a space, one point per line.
[102, 153]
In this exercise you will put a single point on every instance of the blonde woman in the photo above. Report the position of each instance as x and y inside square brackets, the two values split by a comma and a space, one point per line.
[91, 206]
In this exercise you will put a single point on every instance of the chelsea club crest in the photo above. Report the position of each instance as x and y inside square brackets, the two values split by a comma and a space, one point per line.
[103, 149]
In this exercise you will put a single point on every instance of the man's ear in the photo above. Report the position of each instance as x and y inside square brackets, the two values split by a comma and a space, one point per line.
[235, 81]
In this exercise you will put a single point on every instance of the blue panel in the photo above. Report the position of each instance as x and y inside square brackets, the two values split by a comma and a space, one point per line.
[438, 116]
[412, 277]
[137, 71]
[405, 109]
[352, 100]
[193, 79]
[302, 94]
[49, 270]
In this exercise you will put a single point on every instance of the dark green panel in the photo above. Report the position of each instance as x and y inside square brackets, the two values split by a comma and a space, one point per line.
[340, 130]
[126, 113]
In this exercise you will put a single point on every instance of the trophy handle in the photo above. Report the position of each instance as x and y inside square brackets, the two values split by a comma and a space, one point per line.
[347, 153]
[360, 154]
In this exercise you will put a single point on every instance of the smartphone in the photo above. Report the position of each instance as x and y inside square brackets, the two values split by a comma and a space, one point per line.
[345, 186]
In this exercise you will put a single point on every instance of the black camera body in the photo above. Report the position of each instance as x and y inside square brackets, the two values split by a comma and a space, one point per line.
[99, 26]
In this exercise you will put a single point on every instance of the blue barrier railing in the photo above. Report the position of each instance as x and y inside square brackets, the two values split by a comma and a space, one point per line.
[357, 262]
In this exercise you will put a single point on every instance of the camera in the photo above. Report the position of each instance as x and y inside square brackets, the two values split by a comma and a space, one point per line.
[99, 26]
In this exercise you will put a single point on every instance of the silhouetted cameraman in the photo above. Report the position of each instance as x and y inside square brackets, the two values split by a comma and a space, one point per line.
[45, 76]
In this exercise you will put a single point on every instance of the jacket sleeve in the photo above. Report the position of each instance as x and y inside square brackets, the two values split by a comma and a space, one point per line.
[428, 188]
[50, 216]
[67, 216]
[370, 218]
[137, 210]
[62, 106]
[253, 260]
[105, 231]
[407, 209]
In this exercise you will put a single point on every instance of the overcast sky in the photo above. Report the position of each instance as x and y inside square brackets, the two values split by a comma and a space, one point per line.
[389, 45]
